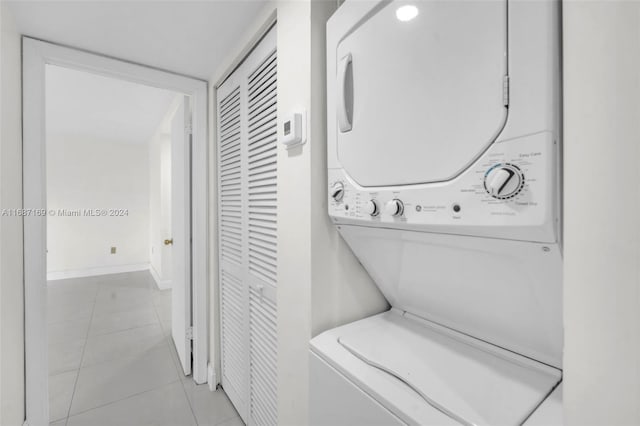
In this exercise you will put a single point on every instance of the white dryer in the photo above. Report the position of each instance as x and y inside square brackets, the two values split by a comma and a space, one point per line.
[444, 158]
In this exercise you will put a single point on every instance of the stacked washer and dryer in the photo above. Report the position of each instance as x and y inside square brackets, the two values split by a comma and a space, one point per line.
[444, 158]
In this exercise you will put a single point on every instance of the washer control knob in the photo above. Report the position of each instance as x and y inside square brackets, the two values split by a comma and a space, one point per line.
[372, 208]
[337, 191]
[504, 181]
[394, 207]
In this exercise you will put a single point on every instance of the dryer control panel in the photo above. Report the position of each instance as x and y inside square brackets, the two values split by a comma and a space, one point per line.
[507, 193]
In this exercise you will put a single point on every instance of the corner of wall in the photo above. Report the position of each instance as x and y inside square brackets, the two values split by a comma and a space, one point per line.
[12, 402]
[601, 66]
[294, 216]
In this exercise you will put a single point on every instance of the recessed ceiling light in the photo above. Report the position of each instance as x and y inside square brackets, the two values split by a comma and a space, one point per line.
[406, 13]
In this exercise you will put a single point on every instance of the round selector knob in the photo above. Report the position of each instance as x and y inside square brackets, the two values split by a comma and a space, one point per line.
[372, 208]
[337, 191]
[394, 207]
[504, 181]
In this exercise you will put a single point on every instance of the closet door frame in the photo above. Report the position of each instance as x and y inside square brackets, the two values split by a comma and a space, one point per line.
[260, 51]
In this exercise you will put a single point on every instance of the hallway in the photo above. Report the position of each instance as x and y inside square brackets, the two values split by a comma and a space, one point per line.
[112, 361]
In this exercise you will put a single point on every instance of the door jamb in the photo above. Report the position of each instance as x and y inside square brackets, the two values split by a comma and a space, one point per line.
[36, 55]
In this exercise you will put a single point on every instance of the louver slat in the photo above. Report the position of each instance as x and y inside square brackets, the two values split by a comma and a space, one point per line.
[233, 303]
[263, 363]
[232, 327]
[230, 178]
[262, 200]
[262, 171]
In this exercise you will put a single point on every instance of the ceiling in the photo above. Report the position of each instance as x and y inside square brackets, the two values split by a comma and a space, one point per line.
[93, 108]
[186, 37]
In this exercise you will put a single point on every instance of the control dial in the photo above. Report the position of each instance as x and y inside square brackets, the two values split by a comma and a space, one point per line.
[504, 181]
[372, 208]
[337, 191]
[394, 207]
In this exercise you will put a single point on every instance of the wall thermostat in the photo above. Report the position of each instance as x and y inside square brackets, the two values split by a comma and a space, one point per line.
[294, 129]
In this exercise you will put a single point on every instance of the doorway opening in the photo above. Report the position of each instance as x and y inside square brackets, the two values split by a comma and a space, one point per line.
[109, 146]
[104, 244]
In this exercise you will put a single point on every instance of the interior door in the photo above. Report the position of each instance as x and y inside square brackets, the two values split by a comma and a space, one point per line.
[181, 227]
[231, 201]
[247, 191]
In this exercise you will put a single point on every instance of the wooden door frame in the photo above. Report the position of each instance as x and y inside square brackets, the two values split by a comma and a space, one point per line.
[36, 54]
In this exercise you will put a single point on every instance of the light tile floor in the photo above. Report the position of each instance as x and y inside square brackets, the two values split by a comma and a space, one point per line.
[112, 361]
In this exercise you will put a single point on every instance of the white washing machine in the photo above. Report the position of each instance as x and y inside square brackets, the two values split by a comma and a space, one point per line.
[444, 158]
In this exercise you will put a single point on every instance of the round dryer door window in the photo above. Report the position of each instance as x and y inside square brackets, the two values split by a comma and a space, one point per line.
[420, 90]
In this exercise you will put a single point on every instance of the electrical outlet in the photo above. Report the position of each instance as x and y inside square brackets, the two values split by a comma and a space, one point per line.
[113, 250]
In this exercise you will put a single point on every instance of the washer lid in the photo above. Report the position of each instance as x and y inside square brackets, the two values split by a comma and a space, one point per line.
[420, 99]
[472, 382]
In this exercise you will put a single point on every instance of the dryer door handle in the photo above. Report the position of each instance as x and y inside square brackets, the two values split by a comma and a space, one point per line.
[345, 93]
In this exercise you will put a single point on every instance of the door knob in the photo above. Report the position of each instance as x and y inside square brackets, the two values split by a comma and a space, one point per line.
[168, 242]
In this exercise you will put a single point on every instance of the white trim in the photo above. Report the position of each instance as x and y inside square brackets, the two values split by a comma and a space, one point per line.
[35, 269]
[162, 284]
[211, 378]
[98, 270]
[36, 54]
[200, 228]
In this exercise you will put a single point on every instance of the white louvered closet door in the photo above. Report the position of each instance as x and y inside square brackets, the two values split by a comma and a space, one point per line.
[247, 184]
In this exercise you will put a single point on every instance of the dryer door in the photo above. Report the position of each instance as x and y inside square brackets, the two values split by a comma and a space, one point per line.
[420, 89]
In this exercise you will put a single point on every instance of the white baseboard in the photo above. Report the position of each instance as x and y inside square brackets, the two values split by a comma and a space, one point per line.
[101, 270]
[162, 284]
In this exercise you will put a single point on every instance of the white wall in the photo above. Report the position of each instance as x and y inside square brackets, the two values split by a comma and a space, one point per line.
[294, 217]
[155, 203]
[97, 174]
[11, 259]
[320, 283]
[160, 207]
[602, 213]
[160, 198]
